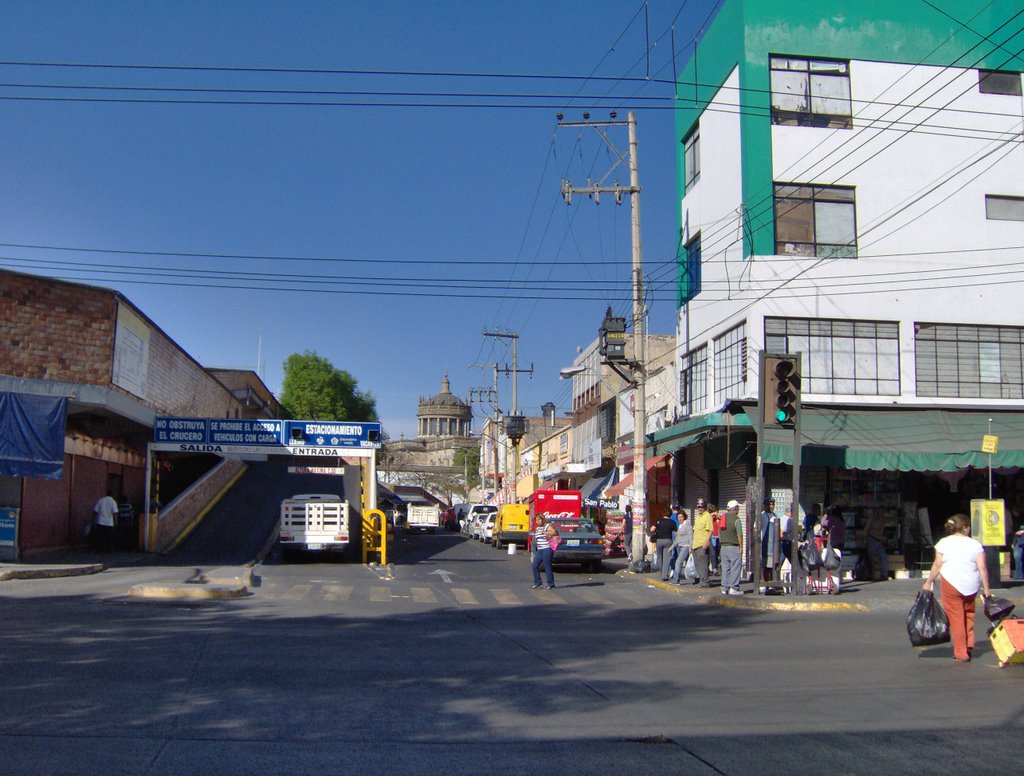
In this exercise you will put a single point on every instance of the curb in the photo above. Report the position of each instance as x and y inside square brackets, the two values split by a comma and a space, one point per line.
[753, 602]
[188, 591]
[52, 572]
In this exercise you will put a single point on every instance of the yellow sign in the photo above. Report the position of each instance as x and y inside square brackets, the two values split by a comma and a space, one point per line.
[988, 522]
[990, 444]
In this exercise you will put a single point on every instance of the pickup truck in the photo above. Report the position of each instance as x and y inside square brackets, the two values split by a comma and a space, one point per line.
[315, 522]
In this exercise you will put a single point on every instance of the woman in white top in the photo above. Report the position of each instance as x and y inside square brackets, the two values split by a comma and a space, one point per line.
[960, 560]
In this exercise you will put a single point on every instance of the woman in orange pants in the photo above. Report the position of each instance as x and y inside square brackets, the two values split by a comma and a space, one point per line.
[960, 560]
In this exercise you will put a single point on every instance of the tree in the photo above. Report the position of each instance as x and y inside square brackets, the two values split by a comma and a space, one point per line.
[313, 389]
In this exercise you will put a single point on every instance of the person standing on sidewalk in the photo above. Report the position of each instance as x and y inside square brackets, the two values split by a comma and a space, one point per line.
[103, 521]
[876, 549]
[960, 561]
[542, 533]
[701, 543]
[664, 530]
[730, 557]
[682, 544]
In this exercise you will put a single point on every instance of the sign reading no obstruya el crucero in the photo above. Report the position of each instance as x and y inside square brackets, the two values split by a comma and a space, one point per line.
[288, 437]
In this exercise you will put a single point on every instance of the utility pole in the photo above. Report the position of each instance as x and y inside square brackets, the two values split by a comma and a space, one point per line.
[515, 425]
[594, 189]
[482, 395]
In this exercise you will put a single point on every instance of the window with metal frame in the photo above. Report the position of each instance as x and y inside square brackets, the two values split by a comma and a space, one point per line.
[815, 221]
[999, 208]
[691, 160]
[689, 271]
[731, 364]
[840, 357]
[693, 381]
[811, 92]
[999, 82]
[969, 362]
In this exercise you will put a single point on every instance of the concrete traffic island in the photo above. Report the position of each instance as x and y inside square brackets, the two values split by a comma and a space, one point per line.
[20, 571]
[229, 582]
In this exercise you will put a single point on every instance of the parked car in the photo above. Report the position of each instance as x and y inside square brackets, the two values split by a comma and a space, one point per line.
[581, 543]
[512, 525]
[473, 515]
[487, 526]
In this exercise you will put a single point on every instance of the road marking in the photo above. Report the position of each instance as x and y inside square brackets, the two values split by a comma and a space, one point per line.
[297, 592]
[548, 596]
[380, 594]
[337, 593]
[464, 596]
[423, 595]
[505, 597]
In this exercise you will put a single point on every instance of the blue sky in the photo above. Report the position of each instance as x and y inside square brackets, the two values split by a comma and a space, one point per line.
[385, 238]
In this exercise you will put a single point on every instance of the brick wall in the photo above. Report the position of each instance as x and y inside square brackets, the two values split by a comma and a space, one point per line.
[55, 331]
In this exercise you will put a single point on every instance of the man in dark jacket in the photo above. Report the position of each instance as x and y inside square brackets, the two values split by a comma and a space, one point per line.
[664, 531]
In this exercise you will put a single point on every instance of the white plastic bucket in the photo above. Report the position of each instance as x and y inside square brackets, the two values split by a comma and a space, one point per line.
[512, 548]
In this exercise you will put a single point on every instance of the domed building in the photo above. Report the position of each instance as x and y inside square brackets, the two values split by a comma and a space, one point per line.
[444, 425]
[444, 415]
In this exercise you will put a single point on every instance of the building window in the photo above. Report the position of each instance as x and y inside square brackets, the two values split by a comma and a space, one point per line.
[606, 422]
[854, 358]
[999, 82]
[689, 271]
[731, 364]
[693, 381]
[691, 160]
[811, 92]
[999, 208]
[969, 362]
[815, 221]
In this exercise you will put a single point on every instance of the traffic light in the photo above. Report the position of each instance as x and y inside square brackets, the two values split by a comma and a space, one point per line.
[782, 391]
[612, 344]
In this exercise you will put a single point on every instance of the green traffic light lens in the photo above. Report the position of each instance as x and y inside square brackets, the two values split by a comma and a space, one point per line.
[781, 416]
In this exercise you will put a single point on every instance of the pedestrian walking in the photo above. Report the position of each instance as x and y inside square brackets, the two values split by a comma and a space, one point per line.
[960, 561]
[543, 533]
[729, 538]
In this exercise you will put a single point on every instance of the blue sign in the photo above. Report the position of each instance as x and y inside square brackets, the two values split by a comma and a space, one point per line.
[237, 432]
[244, 432]
[329, 433]
[8, 527]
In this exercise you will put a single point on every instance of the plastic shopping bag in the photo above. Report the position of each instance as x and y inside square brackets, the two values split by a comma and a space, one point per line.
[927, 623]
[809, 557]
[690, 569]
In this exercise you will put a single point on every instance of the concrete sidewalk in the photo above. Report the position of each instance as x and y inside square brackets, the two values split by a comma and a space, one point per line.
[176, 581]
[890, 595]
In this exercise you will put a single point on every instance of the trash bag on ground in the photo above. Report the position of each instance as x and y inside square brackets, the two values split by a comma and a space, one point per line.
[997, 609]
[863, 571]
[927, 624]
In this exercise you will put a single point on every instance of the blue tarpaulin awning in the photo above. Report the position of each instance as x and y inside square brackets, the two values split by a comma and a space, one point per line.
[592, 488]
[32, 435]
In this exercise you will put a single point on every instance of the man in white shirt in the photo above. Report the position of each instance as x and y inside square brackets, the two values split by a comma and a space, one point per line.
[103, 521]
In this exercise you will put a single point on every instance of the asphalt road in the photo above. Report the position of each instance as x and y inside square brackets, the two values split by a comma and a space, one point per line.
[455, 665]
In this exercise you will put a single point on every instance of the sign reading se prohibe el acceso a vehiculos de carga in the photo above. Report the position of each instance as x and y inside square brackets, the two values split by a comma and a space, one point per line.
[254, 436]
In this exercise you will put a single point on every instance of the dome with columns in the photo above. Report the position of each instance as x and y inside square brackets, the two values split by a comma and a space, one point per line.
[444, 414]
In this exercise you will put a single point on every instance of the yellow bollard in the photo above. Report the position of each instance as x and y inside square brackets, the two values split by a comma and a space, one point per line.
[375, 535]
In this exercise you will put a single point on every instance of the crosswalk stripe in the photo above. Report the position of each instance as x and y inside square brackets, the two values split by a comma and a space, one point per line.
[297, 592]
[505, 597]
[548, 596]
[464, 596]
[423, 595]
[337, 593]
[380, 594]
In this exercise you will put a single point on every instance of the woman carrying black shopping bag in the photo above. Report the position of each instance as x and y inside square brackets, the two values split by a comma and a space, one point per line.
[960, 561]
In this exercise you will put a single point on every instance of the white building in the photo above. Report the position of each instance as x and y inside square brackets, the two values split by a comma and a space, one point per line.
[852, 189]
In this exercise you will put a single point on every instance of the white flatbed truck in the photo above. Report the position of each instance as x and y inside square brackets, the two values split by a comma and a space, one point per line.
[314, 522]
